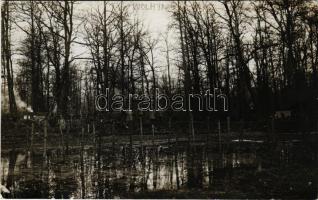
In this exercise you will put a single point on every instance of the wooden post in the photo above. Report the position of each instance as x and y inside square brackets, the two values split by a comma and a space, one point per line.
[130, 150]
[70, 126]
[209, 131]
[272, 125]
[67, 136]
[176, 162]
[83, 190]
[32, 136]
[129, 120]
[228, 123]
[141, 131]
[30, 152]
[45, 140]
[192, 127]
[170, 136]
[113, 138]
[273, 129]
[153, 134]
[99, 146]
[219, 132]
[82, 136]
[208, 123]
[141, 135]
[62, 137]
[152, 119]
[208, 152]
[94, 134]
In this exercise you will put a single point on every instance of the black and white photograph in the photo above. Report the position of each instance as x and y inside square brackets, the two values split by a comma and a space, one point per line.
[205, 99]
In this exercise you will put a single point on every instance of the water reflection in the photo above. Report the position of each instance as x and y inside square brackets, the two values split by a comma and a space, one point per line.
[123, 170]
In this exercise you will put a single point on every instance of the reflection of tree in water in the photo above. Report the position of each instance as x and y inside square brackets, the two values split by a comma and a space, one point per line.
[186, 168]
[32, 189]
[64, 182]
[12, 160]
[65, 187]
[194, 167]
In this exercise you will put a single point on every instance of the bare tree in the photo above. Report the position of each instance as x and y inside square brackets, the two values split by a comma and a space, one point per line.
[6, 53]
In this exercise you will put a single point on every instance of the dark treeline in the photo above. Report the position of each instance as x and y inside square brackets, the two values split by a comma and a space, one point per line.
[261, 54]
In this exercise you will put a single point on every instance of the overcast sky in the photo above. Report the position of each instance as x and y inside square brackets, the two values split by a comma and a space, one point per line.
[153, 14]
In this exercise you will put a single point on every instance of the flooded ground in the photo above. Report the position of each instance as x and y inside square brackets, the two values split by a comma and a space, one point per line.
[182, 169]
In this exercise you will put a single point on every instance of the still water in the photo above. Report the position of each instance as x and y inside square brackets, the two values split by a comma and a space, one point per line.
[237, 170]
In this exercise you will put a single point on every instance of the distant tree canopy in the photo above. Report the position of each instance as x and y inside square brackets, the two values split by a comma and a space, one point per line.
[262, 54]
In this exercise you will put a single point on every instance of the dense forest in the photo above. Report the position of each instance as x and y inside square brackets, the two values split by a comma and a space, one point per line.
[262, 54]
[257, 58]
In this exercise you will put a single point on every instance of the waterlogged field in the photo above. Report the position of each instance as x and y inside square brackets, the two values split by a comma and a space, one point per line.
[125, 168]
